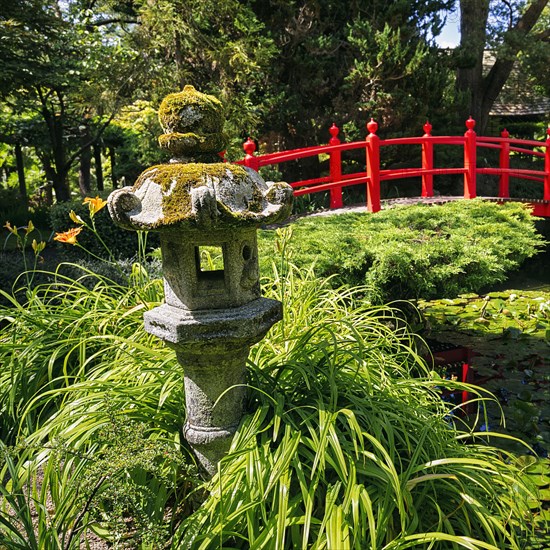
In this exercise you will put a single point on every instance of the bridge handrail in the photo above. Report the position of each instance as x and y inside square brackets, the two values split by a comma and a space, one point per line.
[373, 174]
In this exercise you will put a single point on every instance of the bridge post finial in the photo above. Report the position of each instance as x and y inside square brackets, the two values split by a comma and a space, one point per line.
[250, 160]
[334, 131]
[372, 126]
[427, 129]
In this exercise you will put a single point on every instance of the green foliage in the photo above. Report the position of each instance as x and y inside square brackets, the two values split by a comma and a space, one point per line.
[129, 481]
[67, 72]
[221, 48]
[342, 446]
[12, 209]
[380, 84]
[284, 71]
[134, 136]
[18, 212]
[343, 449]
[344, 62]
[416, 251]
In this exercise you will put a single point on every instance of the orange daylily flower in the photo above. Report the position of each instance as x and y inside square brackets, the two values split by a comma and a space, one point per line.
[95, 205]
[68, 236]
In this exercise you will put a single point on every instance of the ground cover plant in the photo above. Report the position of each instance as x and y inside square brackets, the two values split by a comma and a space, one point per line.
[416, 251]
[346, 444]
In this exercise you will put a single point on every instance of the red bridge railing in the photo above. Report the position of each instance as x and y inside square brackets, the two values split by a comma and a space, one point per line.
[373, 175]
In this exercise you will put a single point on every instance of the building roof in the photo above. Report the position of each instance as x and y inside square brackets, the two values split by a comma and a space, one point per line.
[518, 97]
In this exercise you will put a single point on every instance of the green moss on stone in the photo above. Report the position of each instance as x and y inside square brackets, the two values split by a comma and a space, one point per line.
[182, 178]
[192, 144]
[190, 116]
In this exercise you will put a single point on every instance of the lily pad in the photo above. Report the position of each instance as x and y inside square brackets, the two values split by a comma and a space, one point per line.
[509, 331]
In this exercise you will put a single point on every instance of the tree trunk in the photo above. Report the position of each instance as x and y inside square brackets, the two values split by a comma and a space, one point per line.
[98, 167]
[112, 157]
[55, 168]
[84, 172]
[500, 71]
[473, 21]
[59, 184]
[20, 172]
[479, 92]
[178, 57]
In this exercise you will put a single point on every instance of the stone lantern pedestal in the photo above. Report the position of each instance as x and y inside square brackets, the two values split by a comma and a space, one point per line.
[212, 347]
[212, 314]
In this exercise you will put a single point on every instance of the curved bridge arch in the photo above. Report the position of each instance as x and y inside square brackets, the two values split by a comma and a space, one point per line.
[373, 175]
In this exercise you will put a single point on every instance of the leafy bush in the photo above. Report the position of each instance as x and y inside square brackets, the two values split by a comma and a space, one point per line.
[123, 243]
[416, 251]
[341, 447]
[12, 208]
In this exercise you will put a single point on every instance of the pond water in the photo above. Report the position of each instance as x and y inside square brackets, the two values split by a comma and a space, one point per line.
[507, 326]
[534, 274]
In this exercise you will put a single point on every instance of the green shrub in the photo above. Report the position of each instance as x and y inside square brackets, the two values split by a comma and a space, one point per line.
[416, 251]
[343, 449]
[123, 243]
[17, 211]
[12, 208]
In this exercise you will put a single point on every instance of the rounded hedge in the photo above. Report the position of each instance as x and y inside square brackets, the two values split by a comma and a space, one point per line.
[415, 251]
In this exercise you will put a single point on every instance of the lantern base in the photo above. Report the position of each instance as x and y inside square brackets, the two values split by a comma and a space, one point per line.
[212, 346]
[244, 325]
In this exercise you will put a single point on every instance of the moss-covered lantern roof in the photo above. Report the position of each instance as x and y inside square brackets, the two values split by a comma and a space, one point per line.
[193, 190]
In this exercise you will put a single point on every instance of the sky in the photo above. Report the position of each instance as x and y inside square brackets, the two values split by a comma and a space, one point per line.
[450, 36]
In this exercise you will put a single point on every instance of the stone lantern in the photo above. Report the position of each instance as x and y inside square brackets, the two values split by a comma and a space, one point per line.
[212, 315]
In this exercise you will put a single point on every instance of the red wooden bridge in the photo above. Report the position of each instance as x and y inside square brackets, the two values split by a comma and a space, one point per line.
[371, 178]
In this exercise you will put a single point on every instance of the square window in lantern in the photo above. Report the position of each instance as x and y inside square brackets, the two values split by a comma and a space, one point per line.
[209, 261]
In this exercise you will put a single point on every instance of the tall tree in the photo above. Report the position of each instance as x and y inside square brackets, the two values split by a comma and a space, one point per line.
[287, 68]
[506, 27]
[220, 47]
[65, 62]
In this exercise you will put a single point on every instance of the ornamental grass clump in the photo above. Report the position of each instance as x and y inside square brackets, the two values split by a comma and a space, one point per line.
[342, 446]
[84, 430]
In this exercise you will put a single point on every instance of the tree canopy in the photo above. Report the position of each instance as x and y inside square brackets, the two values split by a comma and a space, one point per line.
[64, 76]
[285, 69]
[515, 30]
